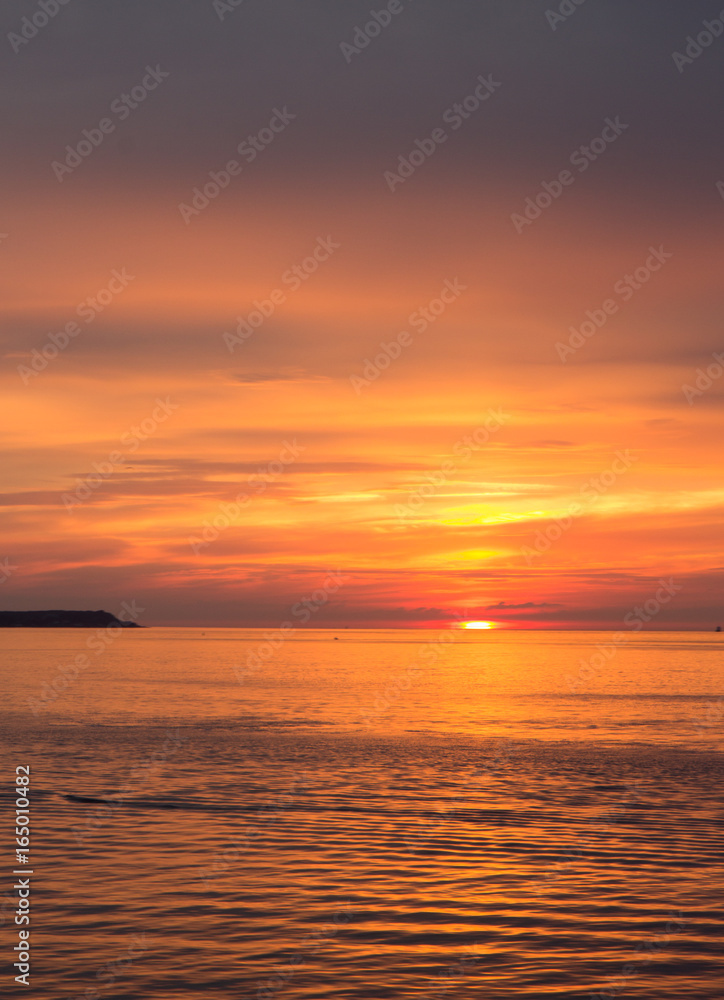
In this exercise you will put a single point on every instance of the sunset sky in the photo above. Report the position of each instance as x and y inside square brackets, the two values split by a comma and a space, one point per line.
[276, 433]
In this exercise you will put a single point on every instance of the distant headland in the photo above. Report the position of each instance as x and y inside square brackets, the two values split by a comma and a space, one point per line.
[61, 619]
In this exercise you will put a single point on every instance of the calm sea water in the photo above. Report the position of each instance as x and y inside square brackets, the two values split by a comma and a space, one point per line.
[382, 814]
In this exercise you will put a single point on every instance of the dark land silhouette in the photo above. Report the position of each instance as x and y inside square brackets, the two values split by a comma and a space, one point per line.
[61, 619]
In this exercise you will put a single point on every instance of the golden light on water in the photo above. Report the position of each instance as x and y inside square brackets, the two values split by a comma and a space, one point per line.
[478, 625]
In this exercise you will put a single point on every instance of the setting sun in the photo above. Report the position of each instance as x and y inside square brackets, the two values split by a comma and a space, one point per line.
[478, 625]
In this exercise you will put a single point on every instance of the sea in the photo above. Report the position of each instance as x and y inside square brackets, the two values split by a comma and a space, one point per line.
[425, 814]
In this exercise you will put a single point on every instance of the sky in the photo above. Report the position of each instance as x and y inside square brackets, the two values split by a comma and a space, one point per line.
[406, 312]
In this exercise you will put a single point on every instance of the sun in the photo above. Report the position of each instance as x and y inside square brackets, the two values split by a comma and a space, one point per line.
[477, 625]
